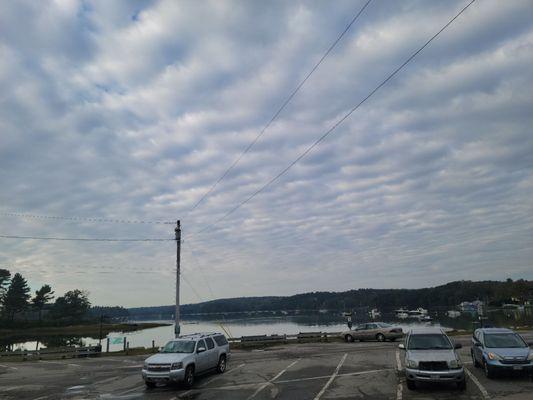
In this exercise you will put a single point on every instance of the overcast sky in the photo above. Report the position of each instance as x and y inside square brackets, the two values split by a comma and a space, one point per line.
[132, 110]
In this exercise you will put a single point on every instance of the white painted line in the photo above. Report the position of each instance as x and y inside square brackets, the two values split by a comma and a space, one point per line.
[216, 378]
[7, 366]
[264, 385]
[399, 391]
[133, 389]
[481, 388]
[398, 361]
[312, 378]
[335, 373]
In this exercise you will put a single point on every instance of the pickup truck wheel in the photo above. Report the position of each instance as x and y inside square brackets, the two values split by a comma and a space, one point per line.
[221, 366]
[411, 385]
[149, 385]
[348, 338]
[188, 381]
[380, 337]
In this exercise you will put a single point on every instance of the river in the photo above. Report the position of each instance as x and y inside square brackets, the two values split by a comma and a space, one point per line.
[260, 325]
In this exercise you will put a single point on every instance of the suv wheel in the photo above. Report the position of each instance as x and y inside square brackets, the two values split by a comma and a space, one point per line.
[380, 337]
[221, 366]
[348, 338]
[489, 372]
[188, 381]
[474, 361]
[411, 385]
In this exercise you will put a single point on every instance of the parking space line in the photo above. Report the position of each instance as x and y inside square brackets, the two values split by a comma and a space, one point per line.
[216, 378]
[399, 391]
[312, 378]
[7, 366]
[481, 388]
[264, 385]
[333, 376]
[398, 361]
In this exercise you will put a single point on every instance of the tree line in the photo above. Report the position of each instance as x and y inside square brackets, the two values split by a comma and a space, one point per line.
[447, 297]
[17, 302]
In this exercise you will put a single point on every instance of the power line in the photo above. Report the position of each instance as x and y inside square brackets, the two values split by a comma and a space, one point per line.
[278, 112]
[87, 239]
[106, 220]
[339, 122]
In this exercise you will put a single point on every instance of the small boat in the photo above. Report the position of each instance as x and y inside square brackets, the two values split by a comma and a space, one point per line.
[402, 315]
[418, 312]
[453, 313]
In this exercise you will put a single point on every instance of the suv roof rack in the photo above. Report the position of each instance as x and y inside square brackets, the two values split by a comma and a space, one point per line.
[199, 335]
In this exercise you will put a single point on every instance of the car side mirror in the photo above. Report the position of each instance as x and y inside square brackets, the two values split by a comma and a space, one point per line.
[457, 346]
[401, 346]
[200, 349]
[530, 343]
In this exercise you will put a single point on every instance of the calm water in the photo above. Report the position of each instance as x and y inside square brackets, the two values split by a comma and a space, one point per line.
[237, 327]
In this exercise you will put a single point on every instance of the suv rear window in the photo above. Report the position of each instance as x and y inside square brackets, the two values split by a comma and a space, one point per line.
[221, 340]
[209, 343]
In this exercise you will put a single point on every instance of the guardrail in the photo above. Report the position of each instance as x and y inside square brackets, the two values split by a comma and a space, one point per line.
[273, 339]
[58, 352]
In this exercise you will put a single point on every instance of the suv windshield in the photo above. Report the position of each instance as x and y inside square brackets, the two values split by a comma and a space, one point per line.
[429, 342]
[508, 340]
[179, 346]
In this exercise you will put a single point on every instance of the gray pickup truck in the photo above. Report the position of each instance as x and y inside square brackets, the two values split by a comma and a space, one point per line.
[183, 358]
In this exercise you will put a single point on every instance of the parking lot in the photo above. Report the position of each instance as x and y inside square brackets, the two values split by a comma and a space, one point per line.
[305, 371]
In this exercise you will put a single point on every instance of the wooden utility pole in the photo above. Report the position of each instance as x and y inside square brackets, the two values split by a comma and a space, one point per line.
[178, 255]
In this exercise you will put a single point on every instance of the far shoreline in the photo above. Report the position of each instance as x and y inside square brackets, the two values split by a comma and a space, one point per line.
[90, 330]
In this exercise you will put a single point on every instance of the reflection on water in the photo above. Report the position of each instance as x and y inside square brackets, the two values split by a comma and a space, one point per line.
[260, 325]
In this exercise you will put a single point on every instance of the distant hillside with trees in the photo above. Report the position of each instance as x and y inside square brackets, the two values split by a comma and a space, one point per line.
[448, 295]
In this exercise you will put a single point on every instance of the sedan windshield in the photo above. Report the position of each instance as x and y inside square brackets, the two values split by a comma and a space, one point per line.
[179, 346]
[504, 340]
[429, 342]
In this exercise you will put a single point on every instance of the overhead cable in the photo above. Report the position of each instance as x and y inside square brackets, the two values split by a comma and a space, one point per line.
[280, 109]
[87, 239]
[339, 122]
[87, 219]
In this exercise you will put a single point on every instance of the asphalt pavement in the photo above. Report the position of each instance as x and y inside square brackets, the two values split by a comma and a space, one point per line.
[314, 371]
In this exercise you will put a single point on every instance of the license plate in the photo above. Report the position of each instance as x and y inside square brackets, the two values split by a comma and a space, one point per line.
[517, 367]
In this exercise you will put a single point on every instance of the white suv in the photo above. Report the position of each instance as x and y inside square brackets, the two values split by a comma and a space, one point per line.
[183, 358]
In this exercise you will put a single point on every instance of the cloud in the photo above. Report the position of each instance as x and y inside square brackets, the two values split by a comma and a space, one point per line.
[132, 110]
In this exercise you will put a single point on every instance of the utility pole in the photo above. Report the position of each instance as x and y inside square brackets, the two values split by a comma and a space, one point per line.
[177, 230]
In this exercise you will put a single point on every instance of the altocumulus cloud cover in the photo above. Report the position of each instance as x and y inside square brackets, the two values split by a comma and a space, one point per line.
[132, 110]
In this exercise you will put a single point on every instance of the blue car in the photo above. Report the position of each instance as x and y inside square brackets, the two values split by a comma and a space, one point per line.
[500, 349]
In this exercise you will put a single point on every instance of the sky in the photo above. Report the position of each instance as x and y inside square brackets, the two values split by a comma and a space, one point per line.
[131, 110]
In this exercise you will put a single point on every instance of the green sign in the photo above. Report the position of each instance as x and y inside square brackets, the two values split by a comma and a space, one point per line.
[116, 340]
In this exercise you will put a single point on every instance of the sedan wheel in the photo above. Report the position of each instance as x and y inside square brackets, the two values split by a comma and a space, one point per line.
[380, 337]
[348, 338]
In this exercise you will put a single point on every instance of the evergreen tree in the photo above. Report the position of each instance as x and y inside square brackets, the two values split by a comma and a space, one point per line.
[5, 276]
[42, 297]
[72, 306]
[17, 295]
